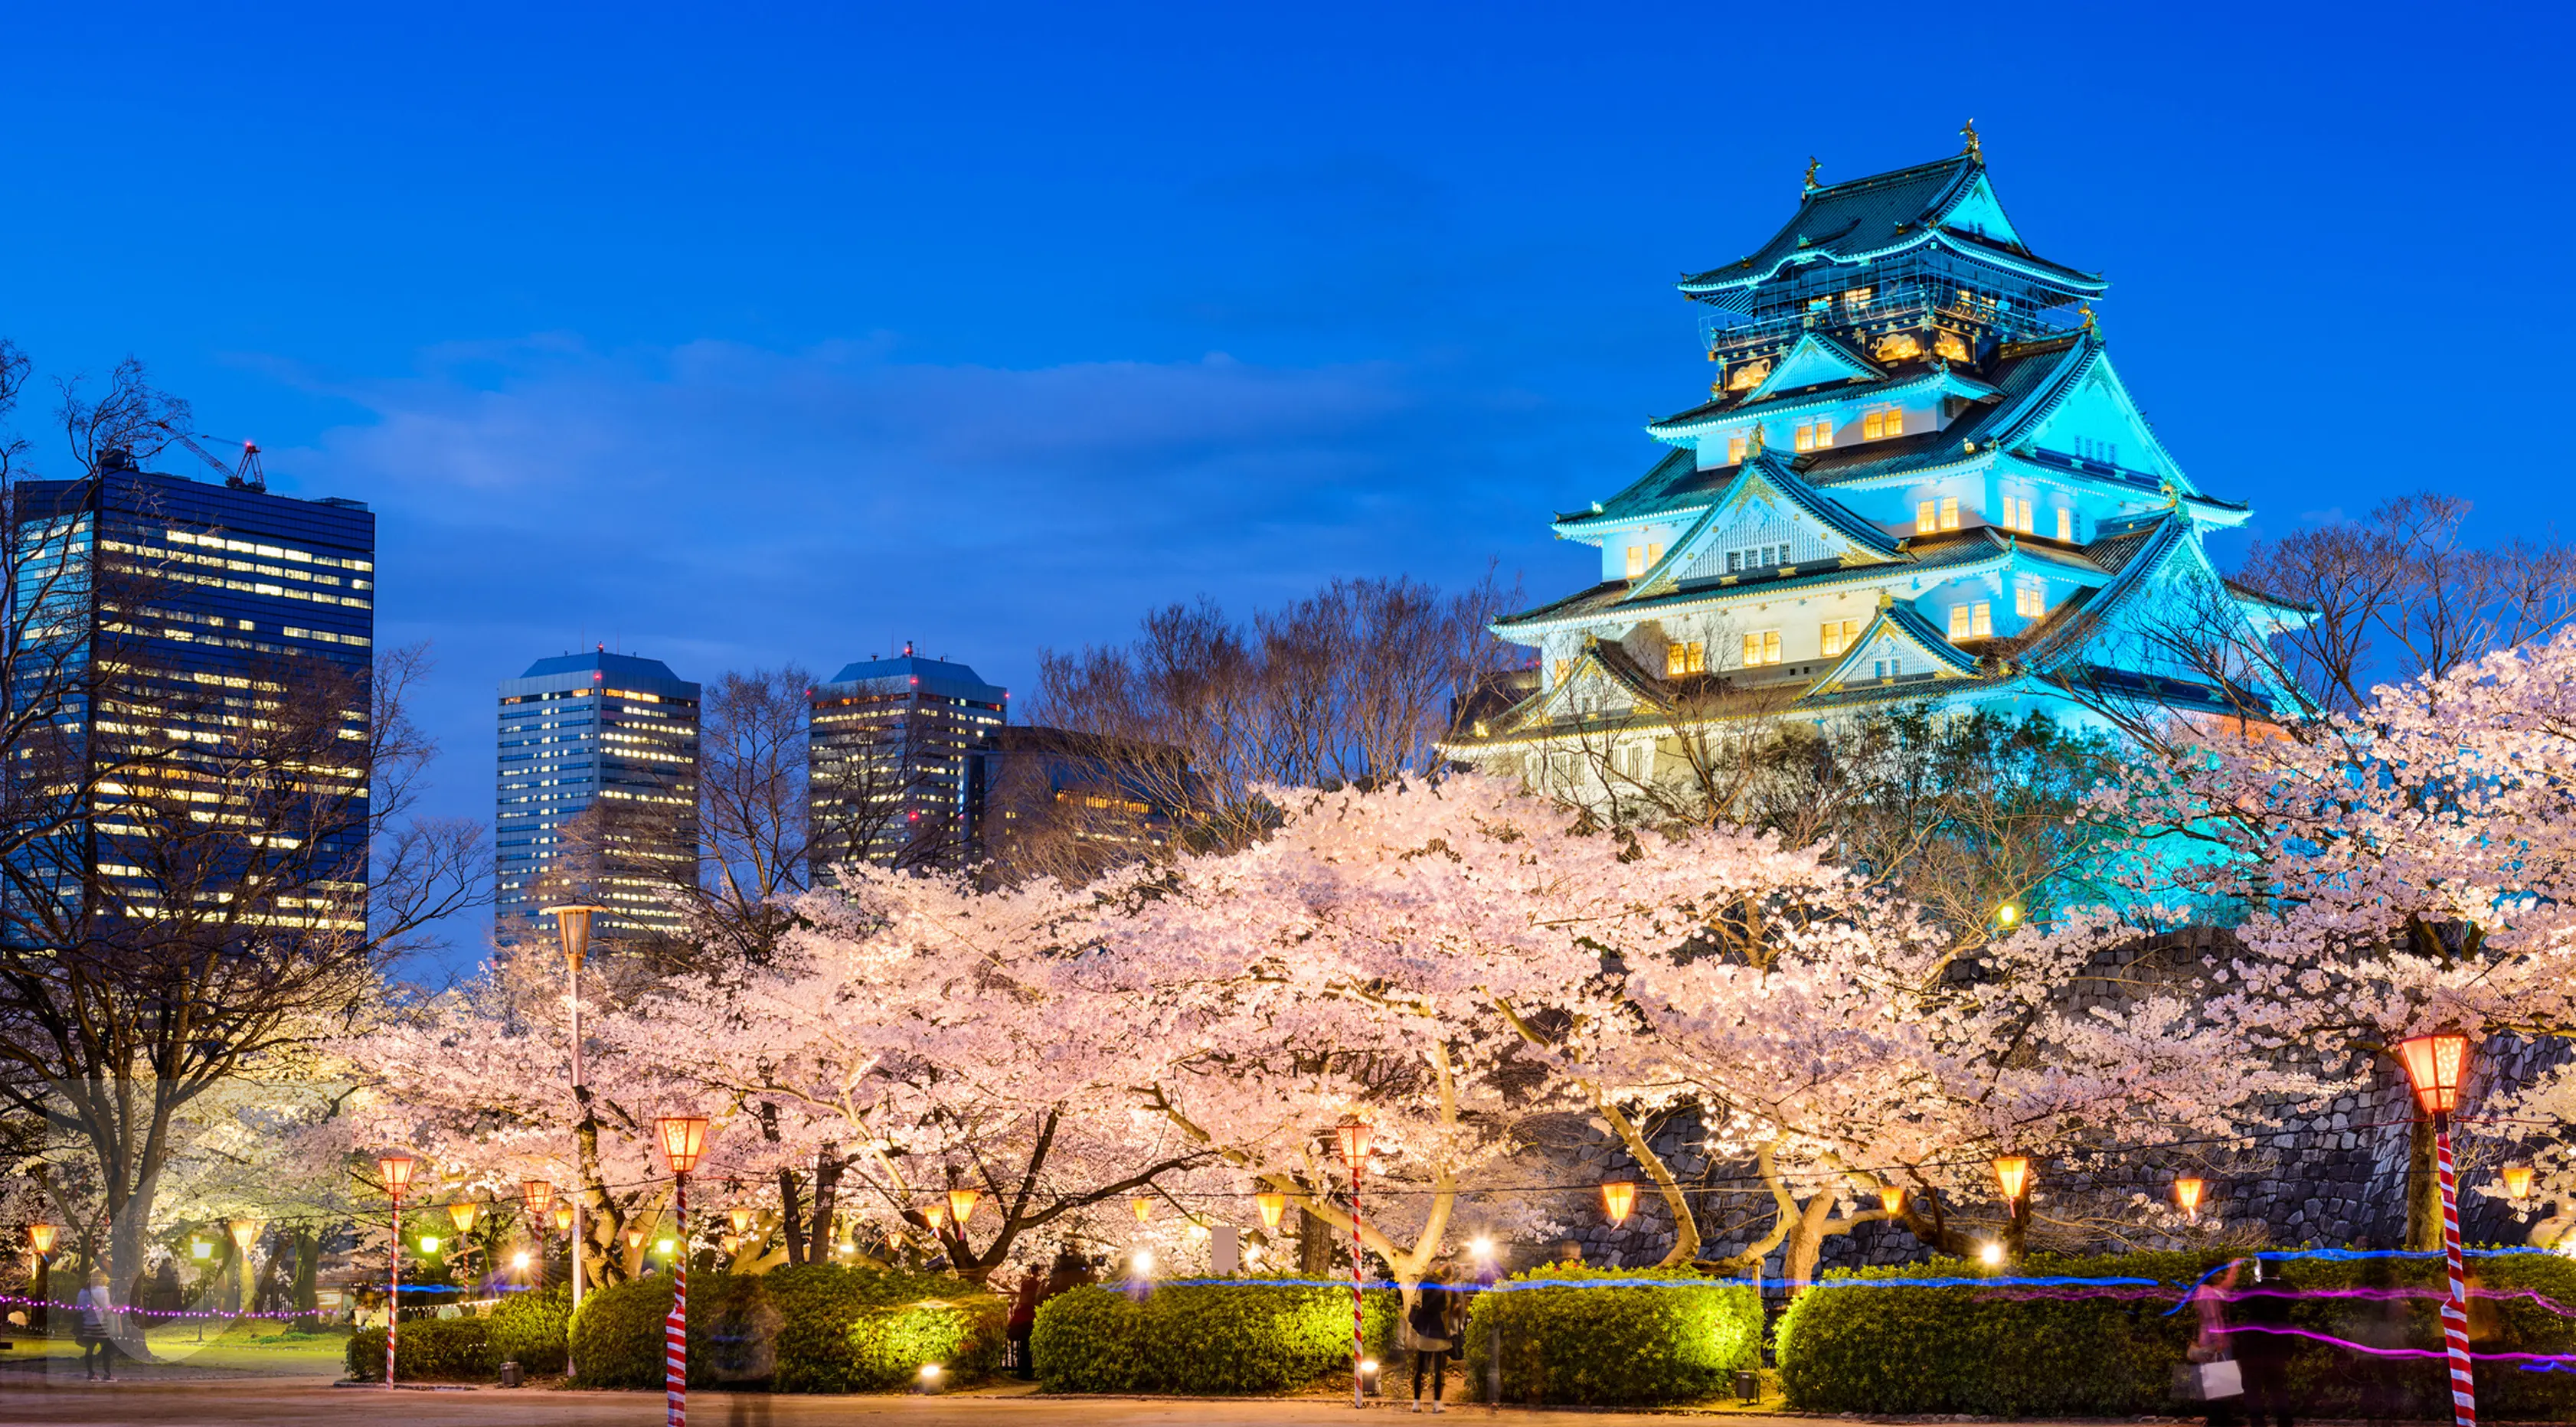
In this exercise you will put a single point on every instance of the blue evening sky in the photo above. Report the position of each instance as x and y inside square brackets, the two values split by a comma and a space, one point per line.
[732, 335]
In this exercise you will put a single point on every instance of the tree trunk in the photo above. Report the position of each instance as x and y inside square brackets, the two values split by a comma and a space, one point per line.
[827, 1184]
[1317, 1247]
[308, 1263]
[791, 1215]
[1806, 1243]
[2423, 1192]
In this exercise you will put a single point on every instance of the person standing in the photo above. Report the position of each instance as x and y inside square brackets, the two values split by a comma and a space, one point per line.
[1433, 1329]
[1023, 1321]
[97, 1317]
[2263, 1347]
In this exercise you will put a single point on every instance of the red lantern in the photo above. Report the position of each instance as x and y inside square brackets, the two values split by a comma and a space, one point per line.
[2012, 1171]
[1618, 1197]
[684, 1140]
[961, 1206]
[536, 1194]
[2436, 1064]
[2187, 1193]
[1354, 1135]
[396, 1168]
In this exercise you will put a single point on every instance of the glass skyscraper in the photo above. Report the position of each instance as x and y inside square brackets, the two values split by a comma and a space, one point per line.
[211, 647]
[890, 780]
[615, 737]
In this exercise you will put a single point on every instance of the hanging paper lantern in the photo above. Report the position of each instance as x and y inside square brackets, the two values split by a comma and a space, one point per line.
[1618, 1196]
[2012, 1171]
[1272, 1204]
[1891, 1197]
[2187, 1193]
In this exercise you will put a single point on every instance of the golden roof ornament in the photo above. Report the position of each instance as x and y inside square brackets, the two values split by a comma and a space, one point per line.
[2086, 308]
[1753, 442]
[1975, 150]
[1811, 173]
[1886, 599]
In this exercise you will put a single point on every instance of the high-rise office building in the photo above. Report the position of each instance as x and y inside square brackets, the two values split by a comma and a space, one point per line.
[200, 656]
[889, 777]
[598, 794]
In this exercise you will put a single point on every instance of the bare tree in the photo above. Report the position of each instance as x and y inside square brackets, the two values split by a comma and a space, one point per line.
[752, 790]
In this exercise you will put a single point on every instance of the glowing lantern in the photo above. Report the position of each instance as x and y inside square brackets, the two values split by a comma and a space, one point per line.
[2436, 1064]
[40, 1237]
[243, 1231]
[741, 1217]
[200, 1249]
[937, 1216]
[396, 1168]
[731, 1242]
[684, 1140]
[1354, 1135]
[463, 1214]
[536, 1194]
[1272, 1204]
[2012, 1171]
[961, 1206]
[1991, 1255]
[1618, 1197]
[563, 1218]
[1891, 1197]
[634, 1239]
[2517, 1180]
[2187, 1193]
[1143, 1206]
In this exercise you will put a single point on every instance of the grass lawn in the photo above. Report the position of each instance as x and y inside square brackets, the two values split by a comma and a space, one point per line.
[238, 1347]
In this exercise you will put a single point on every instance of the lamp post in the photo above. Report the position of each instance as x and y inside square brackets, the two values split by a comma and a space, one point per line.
[684, 1139]
[2012, 1173]
[572, 927]
[396, 1169]
[40, 1239]
[244, 1233]
[2436, 1065]
[1354, 1135]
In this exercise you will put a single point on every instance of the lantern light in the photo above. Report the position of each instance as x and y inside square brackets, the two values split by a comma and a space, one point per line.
[937, 1216]
[200, 1249]
[1481, 1247]
[634, 1239]
[572, 927]
[2436, 1064]
[2012, 1171]
[730, 1241]
[40, 1237]
[536, 1194]
[463, 1212]
[664, 1247]
[1618, 1196]
[429, 1243]
[684, 1140]
[563, 1218]
[1891, 1197]
[1991, 1255]
[243, 1231]
[1272, 1204]
[961, 1206]
[930, 1372]
[1354, 1134]
[1143, 1206]
[396, 1168]
[2517, 1180]
[741, 1217]
[1144, 1262]
[2187, 1193]
[519, 1260]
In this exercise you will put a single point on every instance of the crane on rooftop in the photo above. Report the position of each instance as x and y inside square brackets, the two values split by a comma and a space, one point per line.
[244, 476]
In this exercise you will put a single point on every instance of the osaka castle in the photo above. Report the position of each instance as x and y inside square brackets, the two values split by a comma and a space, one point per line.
[1917, 477]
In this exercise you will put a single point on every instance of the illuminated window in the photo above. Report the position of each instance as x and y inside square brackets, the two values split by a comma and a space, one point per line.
[1971, 621]
[1654, 553]
[1735, 448]
[1762, 646]
[2030, 598]
[2066, 525]
[1856, 297]
[1875, 424]
[1816, 435]
[2017, 514]
[1926, 517]
[1949, 347]
[1949, 512]
[1837, 636]
[1899, 348]
[1689, 658]
[1636, 561]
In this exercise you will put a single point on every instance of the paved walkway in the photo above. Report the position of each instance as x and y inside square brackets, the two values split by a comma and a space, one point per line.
[223, 1402]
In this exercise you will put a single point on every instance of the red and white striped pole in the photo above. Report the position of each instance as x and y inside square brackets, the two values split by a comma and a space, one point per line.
[393, 1288]
[675, 1329]
[1359, 1346]
[2455, 1309]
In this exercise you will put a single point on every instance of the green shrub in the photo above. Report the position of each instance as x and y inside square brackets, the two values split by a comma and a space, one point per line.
[839, 1329]
[1662, 1338]
[1204, 1339]
[2005, 1353]
[528, 1328]
[430, 1349]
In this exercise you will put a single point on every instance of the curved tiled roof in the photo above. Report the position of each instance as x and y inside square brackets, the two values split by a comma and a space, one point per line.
[1881, 214]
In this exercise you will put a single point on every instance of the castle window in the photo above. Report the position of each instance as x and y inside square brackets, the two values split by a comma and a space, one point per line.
[2066, 525]
[2030, 599]
[1685, 658]
[2017, 514]
[1736, 446]
[1876, 424]
[1900, 347]
[1971, 621]
[1735, 562]
[1636, 561]
[1856, 297]
[1654, 553]
[1816, 435]
[1950, 347]
[1931, 515]
[1837, 636]
[1761, 646]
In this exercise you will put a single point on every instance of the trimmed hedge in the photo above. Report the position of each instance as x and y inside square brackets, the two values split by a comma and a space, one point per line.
[528, 1329]
[1568, 1340]
[1207, 1339]
[838, 1329]
[430, 1350]
[1991, 1352]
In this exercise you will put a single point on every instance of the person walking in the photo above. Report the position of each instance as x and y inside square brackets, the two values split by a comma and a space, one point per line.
[2215, 1343]
[1023, 1321]
[97, 1317]
[2263, 1347]
[1433, 1329]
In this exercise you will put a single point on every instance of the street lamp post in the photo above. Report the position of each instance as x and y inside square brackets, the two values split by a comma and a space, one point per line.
[1354, 1135]
[40, 1239]
[684, 1140]
[2436, 1065]
[572, 926]
[396, 1168]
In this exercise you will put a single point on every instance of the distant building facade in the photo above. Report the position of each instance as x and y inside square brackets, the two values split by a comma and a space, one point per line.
[1065, 804]
[1917, 477]
[184, 618]
[598, 794]
[891, 775]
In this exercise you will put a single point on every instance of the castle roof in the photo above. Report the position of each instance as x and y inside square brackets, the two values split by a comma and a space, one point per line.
[1865, 219]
